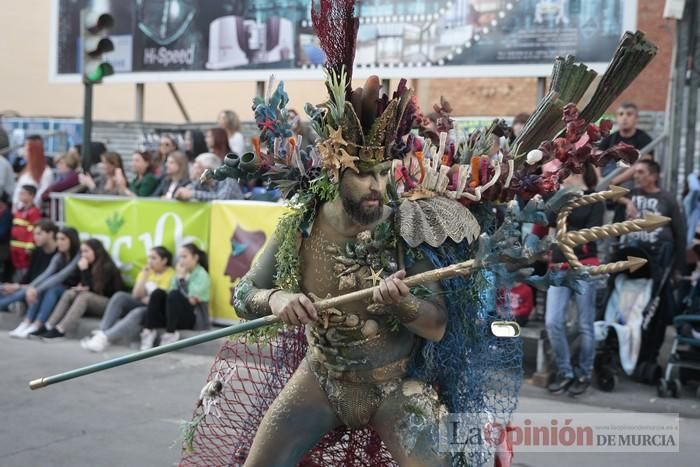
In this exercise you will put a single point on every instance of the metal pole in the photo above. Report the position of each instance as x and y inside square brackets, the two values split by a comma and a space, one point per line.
[139, 104]
[677, 106]
[86, 153]
[693, 83]
[179, 103]
[692, 79]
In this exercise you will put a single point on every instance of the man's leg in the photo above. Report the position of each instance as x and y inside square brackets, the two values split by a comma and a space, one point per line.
[585, 307]
[555, 322]
[297, 419]
[410, 445]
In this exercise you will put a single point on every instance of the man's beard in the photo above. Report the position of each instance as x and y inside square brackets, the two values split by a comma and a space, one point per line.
[360, 214]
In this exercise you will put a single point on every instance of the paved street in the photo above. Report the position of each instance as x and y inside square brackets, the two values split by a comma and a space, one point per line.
[130, 416]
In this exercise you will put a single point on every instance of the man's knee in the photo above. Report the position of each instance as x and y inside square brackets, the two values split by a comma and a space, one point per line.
[554, 323]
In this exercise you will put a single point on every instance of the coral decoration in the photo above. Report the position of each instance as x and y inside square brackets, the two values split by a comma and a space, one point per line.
[463, 170]
[336, 26]
[334, 157]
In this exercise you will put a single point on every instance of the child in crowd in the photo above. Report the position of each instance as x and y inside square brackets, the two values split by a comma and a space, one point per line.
[99, 280]
[185, 305]
[43, 292]
[125, 312]
[25, 216]
[45, 240]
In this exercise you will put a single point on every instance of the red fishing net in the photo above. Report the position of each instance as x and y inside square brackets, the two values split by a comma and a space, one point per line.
[253, 374]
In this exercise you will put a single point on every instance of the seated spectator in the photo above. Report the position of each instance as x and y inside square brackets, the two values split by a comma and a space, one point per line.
[202, 163]
[211, 189]
[99, 280]
[185, 305]
[217, 142]
[112, 168]
[36, 171]
[166, 145]
[45, 247]
[67, 178]
[24, 217]
[144, 182]
[176, 175]
[195, 144]
[43, 292]
[125, 312]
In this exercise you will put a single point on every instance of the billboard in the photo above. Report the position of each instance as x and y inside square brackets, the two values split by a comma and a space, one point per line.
[192, 40]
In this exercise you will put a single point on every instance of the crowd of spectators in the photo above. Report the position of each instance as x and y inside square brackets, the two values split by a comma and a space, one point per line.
[67, 279]
[54, 279]
[171, 171]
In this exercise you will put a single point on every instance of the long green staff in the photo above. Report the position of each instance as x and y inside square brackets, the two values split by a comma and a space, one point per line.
[418, 279]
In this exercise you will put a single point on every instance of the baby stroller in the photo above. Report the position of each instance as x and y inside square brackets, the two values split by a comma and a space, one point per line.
[684, 362]
[631, 304]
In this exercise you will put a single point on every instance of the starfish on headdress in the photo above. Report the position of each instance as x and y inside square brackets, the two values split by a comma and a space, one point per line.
[337, 136]
[375, 277]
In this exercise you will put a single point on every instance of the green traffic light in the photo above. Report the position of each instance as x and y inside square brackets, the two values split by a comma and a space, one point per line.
[102, 70]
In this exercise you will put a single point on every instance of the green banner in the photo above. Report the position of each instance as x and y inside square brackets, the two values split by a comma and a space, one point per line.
[128, 228]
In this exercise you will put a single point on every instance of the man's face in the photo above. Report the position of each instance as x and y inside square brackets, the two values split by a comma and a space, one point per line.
[40, 237]
[363, 194]
[627, 118]
[643, 178]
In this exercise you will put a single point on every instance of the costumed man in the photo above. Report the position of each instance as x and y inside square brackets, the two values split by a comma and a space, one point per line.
[368, 382]
[355, 373]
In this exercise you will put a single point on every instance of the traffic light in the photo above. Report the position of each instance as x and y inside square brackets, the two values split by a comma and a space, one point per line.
[94, 24]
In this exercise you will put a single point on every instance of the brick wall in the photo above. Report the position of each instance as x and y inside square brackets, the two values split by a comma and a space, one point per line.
[650, 89]
[510, 96]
